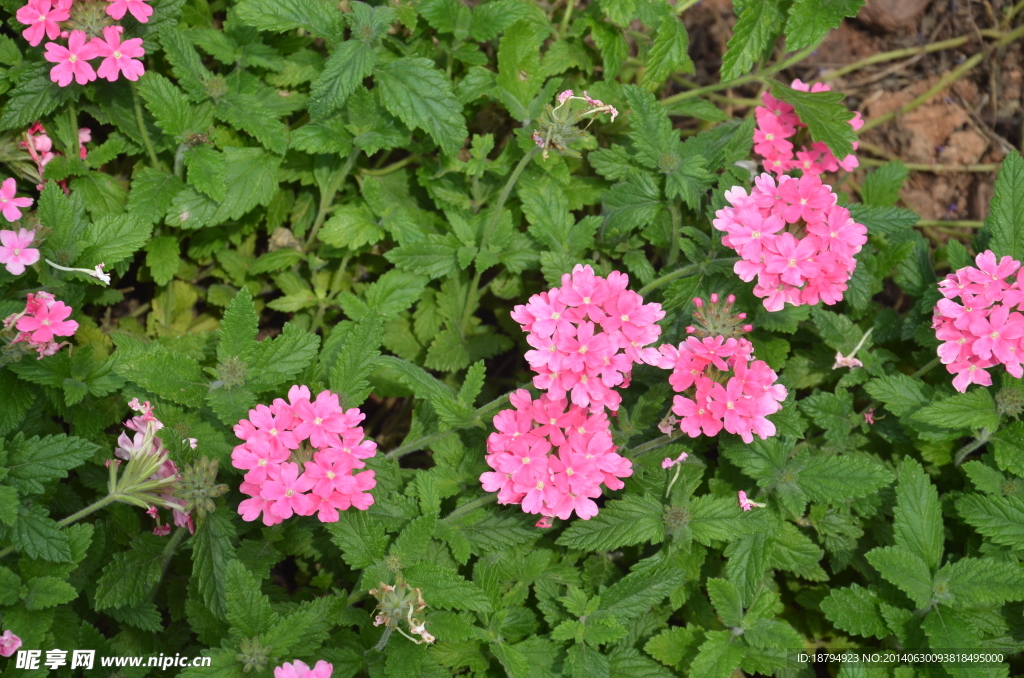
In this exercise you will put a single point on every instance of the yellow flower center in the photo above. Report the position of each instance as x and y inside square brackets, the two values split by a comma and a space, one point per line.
[586, 300]
[263, 462]
[330, 475]
[72, 58]
[318, 421]
[117, 55]
[792, 263]
[289, 493]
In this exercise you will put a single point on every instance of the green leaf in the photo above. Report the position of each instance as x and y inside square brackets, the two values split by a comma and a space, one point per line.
[726, 599]
[826, 117]
[718, 656]
[207, 171]
[918, 515]
[394, 292]
[163, 258]
[238, 328]
[632, 204]
[151, 194]
[246, 112]
[173, 112]
[650, 129]
[1005, 219]
[248, 610]
[38, 536]
[447, 589]
[34, 97]
[811, 20]
[112, 239]
[975, 409]
[129, 578]
[421, 96]
[756, 30]
[351, 226]
[637, 592]
[520, 76]
[212, 550]
[278, 16]
[170, 375]
[901, 394]
[635, 519]
[44, 592]
[8, 505]
[1001, 519]
[885, 221]
[10, 585]
[976, 582]
[356, 361]
[251, 180]
[669, 53]
[838, 479]
[435, 257]
[39, 460]
[905, 569]
[360, 537]
[854, 609]
[720, 519]
[279, 360]
[882, 187]
[188, 67]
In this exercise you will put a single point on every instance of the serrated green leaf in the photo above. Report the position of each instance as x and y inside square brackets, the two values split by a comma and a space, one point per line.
[163, 258]
[635, 519]
[838, 479]
[44, 592]
[447, 589]
[1005, 219]
[669, 53]
[356, 361]
[811, 20]
[905, 569]
[975, 409]
[756, 29]
[247, 113]
[360, 537]
[421, 96]
[901, 394]
[918, 515]
[38, 460]
[726, 599]
[826, 117]
[212, 550]
[975, 582]
[1001, 519]
[882, 187]
[131, 575]
[279, 360]
[112, 239]
[170, 375]
[718, 656]
[238, 328]
[637, 592]
[278, 16]
[855, 610]
[248, 610]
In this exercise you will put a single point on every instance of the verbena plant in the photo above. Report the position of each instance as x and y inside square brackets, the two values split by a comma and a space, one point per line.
[405, 184]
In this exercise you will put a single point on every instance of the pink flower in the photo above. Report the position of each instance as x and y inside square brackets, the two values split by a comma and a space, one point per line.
[288, 491]
[8, 203]
[118, 56]
[300, 669]
[669, 462]
[747, 504]
[41, 20]
[9, 643]
[72, 61]
[48, 322]
[15, 252]
[139, 9]
[869, 416]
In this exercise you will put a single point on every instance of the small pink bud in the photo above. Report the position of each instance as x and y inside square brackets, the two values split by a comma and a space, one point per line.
[741, 316]
[714, 297]
[731, 299]
[544, 523]
[690, 329]
[698, 302]
[748, 328]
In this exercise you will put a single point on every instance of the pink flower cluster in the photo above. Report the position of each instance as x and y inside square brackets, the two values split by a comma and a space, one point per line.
[9, 643]
[729, 388]
[9, 204]
[43, 319]
[778, 123]
[15, 250]
[984, 329]
[299, 669]
[43, 18]
[145, 441]
[40, 148]
[792, 237]
[550, 459]
[300, 458]
[586, 335]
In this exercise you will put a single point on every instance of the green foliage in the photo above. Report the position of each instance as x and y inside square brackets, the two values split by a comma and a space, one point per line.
[351, 197]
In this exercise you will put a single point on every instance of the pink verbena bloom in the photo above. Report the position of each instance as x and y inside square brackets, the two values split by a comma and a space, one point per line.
[669, 462]
[9, 205]
[812, 260]
[300, 458]
[42, 17]
[9, 643]
[745, 503]
[985, 328]
[15, 252]
[72, 61]
[118, 57]
[139, 9]
[47, 322]
[299, 669]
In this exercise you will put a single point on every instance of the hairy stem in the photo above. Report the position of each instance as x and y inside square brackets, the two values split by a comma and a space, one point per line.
[77, 515]
[651, 445]
[680, 273]
[677, 225]
[423, 441]
[499, 207]
[471, 505]
[141, 120]
[328, 197]
[962, 453]
[926, 369]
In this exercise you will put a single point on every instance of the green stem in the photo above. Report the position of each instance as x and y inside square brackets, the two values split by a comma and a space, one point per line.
[950, 224]
[168, 553]
[141, 120]
[566, 18]
[74, 127]
[393, 167]
[328, 197]
[474, 289]
[470, 505]
[421, 442]
[962, 453]
[926, 369]
[651, 445]
[743, 79]
[680, 273]
[895, 54]
[677, 225]
[78, 515]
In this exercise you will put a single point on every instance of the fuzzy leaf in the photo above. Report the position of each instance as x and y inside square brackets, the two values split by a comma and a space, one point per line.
[421, 96]
[1005, 220]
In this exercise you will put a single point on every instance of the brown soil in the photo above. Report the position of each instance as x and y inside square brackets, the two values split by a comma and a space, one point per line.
[976, 121]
